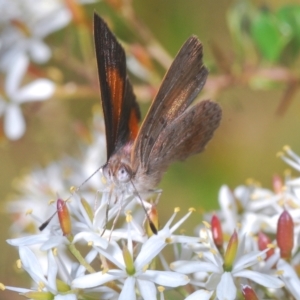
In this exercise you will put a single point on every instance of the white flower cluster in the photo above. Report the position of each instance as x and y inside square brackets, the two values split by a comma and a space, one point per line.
[24, 26]
[81, 255]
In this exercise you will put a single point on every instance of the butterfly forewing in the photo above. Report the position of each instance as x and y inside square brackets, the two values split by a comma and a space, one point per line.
[182, 83]
[121, 112]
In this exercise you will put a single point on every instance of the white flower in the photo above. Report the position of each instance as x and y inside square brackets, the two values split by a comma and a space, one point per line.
[38, 90]
[131, 272]
[251, 208]
[26, 23]
[221, 280]
[48, 285]
[35, 191]
[45, 283]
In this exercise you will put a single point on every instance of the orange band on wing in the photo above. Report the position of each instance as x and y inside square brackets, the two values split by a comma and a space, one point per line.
[133, 124]
[116, 85]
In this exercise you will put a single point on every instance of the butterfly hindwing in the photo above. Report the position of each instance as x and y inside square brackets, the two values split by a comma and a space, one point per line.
[186, 135]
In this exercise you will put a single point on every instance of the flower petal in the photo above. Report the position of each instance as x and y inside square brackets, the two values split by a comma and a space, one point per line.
[150, 249]
[37, 90]
[165, 278]
[262, 279]
[28, 240]
[14, 123]
[97, 240]
[52, 271]
[188, 267]
[15, 75]
[228, 207]
[147, 289]
[213, 281]
[39, 51]
[58, 19]
[66, 297]
[128, 289]
[248, 260]
[54, 241]
[226, 289]
[114, 253]
[200, 294]
[31, 265]
[95, 279]
[16, 289]
[100, 216]
[290, 278]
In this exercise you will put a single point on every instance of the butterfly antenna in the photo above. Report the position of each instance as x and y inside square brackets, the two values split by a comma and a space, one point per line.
[151, 224]
[84, 182]
[46, 223]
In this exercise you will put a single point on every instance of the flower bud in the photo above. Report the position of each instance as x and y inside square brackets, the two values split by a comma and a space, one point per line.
[217, 233]
[64, 217]
[263, 242]
[230, 253]
[248, 293]
[285, 235]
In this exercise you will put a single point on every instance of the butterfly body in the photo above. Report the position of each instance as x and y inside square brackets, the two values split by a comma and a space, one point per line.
[172, 130]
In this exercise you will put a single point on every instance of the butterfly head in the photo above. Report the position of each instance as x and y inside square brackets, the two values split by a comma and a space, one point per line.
[117, 172]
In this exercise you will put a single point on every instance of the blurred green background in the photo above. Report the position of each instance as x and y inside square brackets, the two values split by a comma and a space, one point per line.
[245, 145]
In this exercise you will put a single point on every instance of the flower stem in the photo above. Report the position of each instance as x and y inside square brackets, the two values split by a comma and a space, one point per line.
[79, 257]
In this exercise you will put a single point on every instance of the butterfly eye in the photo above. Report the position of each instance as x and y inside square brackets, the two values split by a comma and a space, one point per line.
[123, 174]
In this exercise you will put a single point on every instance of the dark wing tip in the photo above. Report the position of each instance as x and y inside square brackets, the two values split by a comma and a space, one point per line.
[98, 21]
[194, 45]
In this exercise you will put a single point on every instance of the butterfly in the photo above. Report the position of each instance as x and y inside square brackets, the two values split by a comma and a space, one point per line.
[172, 130]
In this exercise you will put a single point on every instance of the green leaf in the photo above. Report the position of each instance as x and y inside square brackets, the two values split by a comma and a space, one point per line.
[270, 35]
[289, 16]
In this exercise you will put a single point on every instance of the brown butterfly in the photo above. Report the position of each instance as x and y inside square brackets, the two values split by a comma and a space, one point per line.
[172, 129]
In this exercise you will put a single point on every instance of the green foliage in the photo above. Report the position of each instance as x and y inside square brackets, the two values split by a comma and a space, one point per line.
[275, 35]
[270, 34]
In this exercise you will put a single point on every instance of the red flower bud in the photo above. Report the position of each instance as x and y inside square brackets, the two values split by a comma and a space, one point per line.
[216, 230]
[64, 217]
[285, 235]
[263, 242]
[248, 293]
